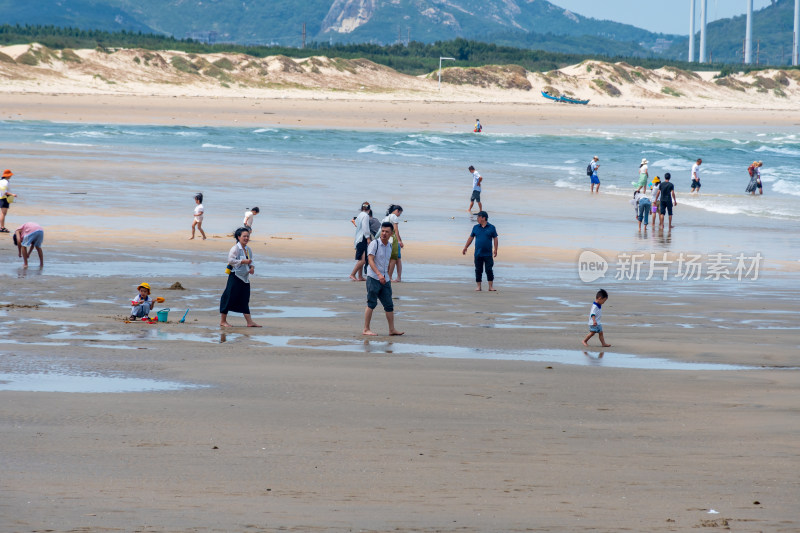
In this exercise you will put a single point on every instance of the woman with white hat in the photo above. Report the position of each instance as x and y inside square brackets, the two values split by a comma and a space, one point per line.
[643, 176]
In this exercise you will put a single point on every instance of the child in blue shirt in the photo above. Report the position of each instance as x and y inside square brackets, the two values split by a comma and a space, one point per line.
[142, 303]
[594, 318]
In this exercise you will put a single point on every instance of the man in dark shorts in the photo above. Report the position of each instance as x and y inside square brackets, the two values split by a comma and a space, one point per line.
[379, 286]
[667, 199]
[485, 236]
[477, 179]
[696, 176]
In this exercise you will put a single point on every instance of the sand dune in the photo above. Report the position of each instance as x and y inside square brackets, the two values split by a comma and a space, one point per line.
[37, 69]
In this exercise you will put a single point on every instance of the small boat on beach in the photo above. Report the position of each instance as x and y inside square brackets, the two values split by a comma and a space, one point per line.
[563, 98]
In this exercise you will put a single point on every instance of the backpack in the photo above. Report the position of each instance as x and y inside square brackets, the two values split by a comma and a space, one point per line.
[589, 170]
[751, 171]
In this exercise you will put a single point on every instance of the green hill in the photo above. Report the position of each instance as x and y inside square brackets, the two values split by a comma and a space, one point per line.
[773, 27]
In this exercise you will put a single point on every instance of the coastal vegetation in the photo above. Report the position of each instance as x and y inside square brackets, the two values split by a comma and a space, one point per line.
[415, 58]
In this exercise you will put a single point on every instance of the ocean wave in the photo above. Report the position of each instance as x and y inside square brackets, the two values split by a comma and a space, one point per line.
[217, 146]
[778, 150]
[672, 164]
[66, 143]
[786, 187]
[373, 149]
[265, 130]
[90, 134]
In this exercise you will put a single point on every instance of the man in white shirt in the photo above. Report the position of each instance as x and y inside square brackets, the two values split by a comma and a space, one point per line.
[379, 286]
[696, 176]
[476, 189]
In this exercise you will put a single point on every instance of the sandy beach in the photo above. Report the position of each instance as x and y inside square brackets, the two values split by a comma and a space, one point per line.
[333, 110]
[487, 415]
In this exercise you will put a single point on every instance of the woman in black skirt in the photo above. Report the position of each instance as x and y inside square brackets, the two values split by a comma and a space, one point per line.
[236, 297]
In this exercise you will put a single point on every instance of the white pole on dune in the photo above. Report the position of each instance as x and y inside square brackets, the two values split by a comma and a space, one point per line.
[796, 32]
[748, 34]
[703, 10]
[440, 68]
[691, 30]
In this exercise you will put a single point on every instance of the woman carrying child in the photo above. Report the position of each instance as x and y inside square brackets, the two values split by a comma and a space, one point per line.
[236, 297]
[755, 178]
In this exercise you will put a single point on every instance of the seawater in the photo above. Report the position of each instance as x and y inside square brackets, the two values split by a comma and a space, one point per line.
[510, 159]
[311, 181]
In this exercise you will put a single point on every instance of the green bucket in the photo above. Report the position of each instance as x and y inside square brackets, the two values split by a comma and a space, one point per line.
[162, 314]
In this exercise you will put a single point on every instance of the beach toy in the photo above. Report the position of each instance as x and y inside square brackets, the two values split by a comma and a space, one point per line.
[160, 299]
[182, 320]
[162, 314]
[10, 199]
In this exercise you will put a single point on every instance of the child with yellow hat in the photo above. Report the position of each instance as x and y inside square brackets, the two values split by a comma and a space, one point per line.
[142, 303]
[653, 194]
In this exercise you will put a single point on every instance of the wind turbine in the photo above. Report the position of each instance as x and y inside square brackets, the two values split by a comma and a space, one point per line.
[703, 20]
[691, 30]
[748, 34]
[796, 31]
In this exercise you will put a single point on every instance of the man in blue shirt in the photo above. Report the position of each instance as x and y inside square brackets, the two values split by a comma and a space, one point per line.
[485, 236]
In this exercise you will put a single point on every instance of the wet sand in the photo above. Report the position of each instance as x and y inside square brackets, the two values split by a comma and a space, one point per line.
[305, 425]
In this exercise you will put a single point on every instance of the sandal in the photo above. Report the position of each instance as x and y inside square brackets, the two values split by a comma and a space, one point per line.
[3, 230]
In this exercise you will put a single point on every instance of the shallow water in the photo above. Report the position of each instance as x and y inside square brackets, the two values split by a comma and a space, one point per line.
[86, 383]
[290, 171]
[563, 357]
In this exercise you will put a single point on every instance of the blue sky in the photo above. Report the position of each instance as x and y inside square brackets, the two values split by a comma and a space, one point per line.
[666, 16]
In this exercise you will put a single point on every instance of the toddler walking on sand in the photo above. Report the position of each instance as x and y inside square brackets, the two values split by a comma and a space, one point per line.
[594, 318]
[198, 216]
[142, 303]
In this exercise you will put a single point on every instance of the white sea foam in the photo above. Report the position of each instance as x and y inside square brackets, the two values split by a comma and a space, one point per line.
[786, 187]
[265, 130]
[778, 150]
[373, 149]
[217, 146]
[90, 134]
[671, 164]
[66, 144]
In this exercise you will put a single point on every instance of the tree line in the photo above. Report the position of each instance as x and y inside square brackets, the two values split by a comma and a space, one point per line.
[413, 58]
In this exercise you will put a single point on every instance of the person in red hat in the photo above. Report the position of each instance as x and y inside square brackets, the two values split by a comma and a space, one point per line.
[6, 197]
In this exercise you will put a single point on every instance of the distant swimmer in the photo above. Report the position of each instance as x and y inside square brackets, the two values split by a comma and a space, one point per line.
[696, 176]
[477, 179]
[591, 171]
[478, 127]
[755, 178]
[643, 176]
